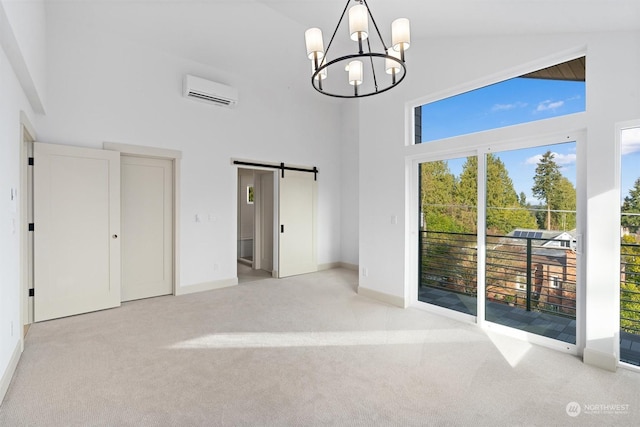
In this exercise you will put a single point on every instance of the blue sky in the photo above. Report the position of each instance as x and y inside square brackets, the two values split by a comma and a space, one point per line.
[516, 101]
[511, 102]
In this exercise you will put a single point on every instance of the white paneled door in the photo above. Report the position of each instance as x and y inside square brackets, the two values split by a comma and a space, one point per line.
[147, 227]
[297, 210]
[76, 231]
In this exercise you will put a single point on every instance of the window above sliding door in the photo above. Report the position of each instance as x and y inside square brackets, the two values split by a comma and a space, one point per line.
[546, 93]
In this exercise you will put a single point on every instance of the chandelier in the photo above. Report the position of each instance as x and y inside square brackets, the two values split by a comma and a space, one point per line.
[367, 72]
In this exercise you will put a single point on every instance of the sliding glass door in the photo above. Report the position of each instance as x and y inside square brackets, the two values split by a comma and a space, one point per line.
[448, 234]
[630, 247]
[531, 262]
[528, 266]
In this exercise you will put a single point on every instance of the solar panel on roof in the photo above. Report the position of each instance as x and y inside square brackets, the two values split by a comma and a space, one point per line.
[517, 233]
[538, 234]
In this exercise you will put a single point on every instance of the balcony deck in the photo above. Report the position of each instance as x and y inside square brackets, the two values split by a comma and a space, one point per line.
[556, 327]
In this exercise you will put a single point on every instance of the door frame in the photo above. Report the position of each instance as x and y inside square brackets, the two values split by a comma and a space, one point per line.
[27, 137]
[160, 153]
[619, 128]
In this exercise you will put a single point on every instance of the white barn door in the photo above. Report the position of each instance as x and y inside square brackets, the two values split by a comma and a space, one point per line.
[297, 212]
[76, 230]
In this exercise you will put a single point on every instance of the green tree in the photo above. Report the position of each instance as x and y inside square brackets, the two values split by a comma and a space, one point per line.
[563, 205]
[467, 194]
[504, 211]
[438, 197]
[631, 204]
[523, 200]
[504, 208]
[545, 181]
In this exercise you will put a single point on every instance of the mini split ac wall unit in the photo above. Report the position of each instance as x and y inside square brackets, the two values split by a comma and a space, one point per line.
[209, 91]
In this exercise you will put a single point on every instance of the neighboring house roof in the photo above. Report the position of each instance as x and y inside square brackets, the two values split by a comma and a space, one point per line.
[545, 238]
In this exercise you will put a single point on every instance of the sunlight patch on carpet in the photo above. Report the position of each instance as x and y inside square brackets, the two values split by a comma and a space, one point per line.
[323, 339]
[513, 350]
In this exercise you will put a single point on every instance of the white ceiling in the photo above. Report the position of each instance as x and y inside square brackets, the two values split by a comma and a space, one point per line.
[250, 32]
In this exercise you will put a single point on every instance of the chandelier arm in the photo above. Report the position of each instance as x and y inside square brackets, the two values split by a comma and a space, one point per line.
[346, 6]
[373, 70]
[375, 25]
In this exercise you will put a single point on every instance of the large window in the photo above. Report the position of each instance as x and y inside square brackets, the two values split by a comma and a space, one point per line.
[498, 229]
[551, 92]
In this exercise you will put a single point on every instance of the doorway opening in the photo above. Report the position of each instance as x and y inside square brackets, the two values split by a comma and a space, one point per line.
[256, 215]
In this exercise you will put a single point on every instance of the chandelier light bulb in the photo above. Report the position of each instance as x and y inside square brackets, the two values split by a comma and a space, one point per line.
[400, 34]
[315, 45]
[358, 22]
[355, 73]
[390, 65]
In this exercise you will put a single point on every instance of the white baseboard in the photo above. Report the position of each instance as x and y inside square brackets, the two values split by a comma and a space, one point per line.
[339, 264]
[381, 296]
[11, 369]
[599, 359]
[206, 286]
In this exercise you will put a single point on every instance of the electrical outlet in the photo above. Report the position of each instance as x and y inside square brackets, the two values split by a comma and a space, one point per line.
[216, 267]
[365, 272]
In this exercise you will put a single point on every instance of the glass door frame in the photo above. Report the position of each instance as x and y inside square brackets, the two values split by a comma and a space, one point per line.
[485, 144]
[619, 128]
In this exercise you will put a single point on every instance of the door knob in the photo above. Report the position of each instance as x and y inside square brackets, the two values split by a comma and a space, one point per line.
[115, 236]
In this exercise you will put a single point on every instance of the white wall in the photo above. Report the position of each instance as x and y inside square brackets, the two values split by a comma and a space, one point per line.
[102, 88]
[22, 33]
[436, 68]
[21, 69]
[12, 101]
[350, 191]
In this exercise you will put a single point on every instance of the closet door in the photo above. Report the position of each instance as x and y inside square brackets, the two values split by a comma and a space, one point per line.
[147, 227]
[76, 230]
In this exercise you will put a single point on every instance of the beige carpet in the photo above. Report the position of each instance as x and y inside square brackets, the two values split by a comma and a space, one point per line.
[301, 351]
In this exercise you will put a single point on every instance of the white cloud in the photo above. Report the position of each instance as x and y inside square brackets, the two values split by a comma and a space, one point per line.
[507, 107]
[630, 141]
[560, 159]
[533, 160]
[549, 105]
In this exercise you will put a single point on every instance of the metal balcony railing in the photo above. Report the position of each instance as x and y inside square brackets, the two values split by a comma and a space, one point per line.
[533, 274]
[630, 288]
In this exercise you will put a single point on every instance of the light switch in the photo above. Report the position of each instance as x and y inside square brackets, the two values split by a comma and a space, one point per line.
[13, 200]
